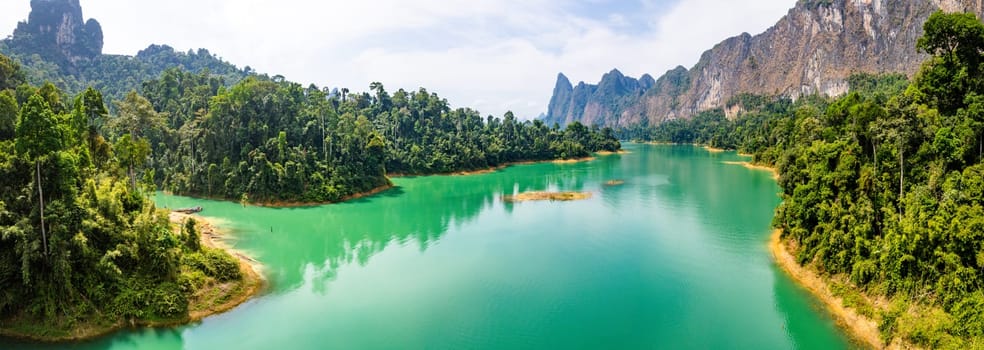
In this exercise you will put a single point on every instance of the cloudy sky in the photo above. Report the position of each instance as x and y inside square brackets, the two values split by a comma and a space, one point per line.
[491, 55]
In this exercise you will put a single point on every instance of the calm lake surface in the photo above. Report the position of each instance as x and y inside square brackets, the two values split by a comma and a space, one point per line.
[674, 258]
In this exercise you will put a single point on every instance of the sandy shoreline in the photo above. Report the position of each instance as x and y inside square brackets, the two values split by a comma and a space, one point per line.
[773, 171]
[547, 196]
[704, 147]
[278, 204]
[252, 281]
[610, 153]
[490, 170]
[858, 326]
[572, 161]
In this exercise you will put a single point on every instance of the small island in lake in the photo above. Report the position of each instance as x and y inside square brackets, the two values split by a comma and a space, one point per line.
[614, 183]
[547, 196]
[610, 153]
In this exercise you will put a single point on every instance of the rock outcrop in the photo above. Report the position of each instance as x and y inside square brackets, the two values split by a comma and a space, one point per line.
[55, 45]
[813, 49]
[595, 104]
[56, 31]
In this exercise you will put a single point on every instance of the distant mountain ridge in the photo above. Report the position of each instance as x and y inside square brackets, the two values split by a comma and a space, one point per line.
[55, 45]
[615, 90]
[813, 49]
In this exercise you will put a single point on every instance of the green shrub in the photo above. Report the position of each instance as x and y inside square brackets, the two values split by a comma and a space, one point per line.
[214, 263]
[193, 280]
[191, 236]
[224, 267]
[196, 261]
[169, 301]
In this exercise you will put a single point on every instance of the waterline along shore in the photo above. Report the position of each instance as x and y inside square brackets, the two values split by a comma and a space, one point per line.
[236, 293]
[277, 204]
[858, 326]
[749, 165]
[208, 301]
[509, 164]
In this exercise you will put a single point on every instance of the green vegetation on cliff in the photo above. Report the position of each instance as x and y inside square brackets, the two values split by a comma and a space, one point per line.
[82, 248]
[883, 187]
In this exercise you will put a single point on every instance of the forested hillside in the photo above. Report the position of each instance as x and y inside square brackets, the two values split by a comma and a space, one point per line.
[883, 189]
[55, 45]
[117, 75]
[82, 247]
[270, 140]
[199, 126]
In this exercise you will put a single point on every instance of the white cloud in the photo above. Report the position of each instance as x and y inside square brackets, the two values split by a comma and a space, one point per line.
[491, 55]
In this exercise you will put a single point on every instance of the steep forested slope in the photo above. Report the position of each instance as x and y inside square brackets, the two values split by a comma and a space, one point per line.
[82, 247]
[883, 189]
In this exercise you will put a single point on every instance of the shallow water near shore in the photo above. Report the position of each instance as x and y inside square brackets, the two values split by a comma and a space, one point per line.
[675, 257]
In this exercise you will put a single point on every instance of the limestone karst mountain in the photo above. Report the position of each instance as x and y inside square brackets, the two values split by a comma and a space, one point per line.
[58, 33]
[813, 49]
[55, 44]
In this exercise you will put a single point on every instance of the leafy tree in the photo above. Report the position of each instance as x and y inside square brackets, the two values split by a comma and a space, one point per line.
[8, 115]
[11, 75]
[104, 254]
[955, 41]
[90, 115]
[132, 153]
[39, 135]
[191, 235]
[137, 117]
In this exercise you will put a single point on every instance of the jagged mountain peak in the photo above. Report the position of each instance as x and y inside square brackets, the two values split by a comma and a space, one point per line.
[614, 73]
[605, 98]
[55, 45]
[562, 80]
[814, 48]
[647, 81]
[57, 31]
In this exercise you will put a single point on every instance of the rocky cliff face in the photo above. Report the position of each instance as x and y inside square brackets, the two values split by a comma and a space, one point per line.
[56, 31]
[55, 45]
[813, 49]
[596, 104]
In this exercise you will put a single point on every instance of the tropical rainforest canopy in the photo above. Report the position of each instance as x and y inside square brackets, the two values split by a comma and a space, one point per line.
[81, 244]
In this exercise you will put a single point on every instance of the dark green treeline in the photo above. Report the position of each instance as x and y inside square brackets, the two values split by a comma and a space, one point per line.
[269, 140]
[81, 244]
